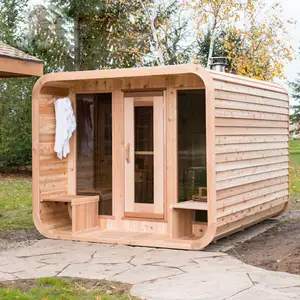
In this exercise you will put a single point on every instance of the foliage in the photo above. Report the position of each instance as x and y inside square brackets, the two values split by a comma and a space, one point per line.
[219, 50]
[15, 94]
[15, 123]
[263, 50]
[115, 34]
[47, 39]
[295, 117]
[295, 166]
[105, 34]
[256, 46]
[99, 34]
[72, 289]
[217, 15]
[173, 33]
[15, 204]
[11, 16]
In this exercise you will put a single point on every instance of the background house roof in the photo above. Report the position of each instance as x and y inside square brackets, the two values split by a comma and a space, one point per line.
[6, 50]
[16, 63]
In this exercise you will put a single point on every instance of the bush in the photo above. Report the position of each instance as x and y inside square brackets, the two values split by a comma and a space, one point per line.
[15, 122]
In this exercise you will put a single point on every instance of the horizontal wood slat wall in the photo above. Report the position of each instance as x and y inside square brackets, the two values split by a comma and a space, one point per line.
[252, 142]
[247, 130]
[53, 177]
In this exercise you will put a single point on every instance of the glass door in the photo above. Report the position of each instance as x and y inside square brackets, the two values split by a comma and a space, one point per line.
[144, 155]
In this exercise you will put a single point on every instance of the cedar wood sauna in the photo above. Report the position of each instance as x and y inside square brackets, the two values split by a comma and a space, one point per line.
[172, 156]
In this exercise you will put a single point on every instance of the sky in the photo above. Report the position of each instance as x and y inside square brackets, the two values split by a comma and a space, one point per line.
[291, 10]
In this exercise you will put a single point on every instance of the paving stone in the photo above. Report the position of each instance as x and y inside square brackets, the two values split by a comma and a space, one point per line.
[172, 258]
[94, 271]
[261, 292]
[291, 290]
[34, 251]
[216, 265]
[67, 257]
[6, 276]
[19, 264]
[117, 254]
[157, 274]
[273, 279]
[44, 271]
[83, 245]
[145, 273]
[193, 286]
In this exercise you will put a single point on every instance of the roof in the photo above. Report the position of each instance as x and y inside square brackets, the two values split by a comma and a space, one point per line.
[6, 50]
[16, 63]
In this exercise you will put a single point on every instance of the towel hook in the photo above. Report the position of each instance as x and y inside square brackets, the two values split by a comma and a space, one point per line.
[51, 101]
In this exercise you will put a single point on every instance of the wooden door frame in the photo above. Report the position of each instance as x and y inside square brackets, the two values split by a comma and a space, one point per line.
[143, 210]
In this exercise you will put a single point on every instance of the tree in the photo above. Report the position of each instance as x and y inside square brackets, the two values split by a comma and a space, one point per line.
[255, 45]
[203, 44]
[11, 16]
[15, 94]
[263, 48]
[295, 116]
[170, 38]
[217, 15]
[47, 39]
[105, 34]
[15, 122]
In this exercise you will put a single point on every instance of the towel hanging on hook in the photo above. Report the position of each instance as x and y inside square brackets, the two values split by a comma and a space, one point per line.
[65, 126]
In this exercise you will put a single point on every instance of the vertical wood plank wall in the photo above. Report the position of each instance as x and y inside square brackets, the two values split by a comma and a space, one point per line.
[252, 141]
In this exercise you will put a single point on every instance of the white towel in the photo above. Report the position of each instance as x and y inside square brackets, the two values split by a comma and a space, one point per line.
[65, 126]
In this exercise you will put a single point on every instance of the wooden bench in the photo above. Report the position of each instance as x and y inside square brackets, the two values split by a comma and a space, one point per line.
[83, 211]
[105, 198]
[182, 217]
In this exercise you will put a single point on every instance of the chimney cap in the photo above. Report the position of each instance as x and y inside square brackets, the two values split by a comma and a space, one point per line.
[218, 63]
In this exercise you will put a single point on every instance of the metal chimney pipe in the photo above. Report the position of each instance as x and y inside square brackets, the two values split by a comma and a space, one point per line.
[218, 64]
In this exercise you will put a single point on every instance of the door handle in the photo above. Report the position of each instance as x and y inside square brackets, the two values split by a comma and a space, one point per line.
[127, 153]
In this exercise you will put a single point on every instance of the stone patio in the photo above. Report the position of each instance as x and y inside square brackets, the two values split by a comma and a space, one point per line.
[156, 274]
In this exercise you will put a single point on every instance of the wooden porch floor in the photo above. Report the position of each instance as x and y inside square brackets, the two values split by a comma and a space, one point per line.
[126, 238]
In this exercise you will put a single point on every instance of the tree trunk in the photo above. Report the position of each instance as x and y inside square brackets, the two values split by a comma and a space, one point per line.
[211, 47]
[151, 19]
[212, 40]
[77, 63]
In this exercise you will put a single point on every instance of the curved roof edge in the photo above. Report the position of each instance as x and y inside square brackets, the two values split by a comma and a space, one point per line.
[140, 72]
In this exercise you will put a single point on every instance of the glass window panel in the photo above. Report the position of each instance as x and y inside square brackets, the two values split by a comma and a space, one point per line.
[94, 148]
[143, 132]
[143, 128]
[144, 179]
[191, 143]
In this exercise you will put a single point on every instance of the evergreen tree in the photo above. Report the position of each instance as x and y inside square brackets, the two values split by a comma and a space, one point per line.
[15, 94]
[295, 116]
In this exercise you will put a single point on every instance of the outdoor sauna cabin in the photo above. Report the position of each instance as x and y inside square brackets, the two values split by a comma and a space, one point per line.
[171, 156]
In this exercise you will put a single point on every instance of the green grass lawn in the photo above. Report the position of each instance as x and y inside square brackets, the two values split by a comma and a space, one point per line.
[65, 289]
[295, 166]
[15, 203]
[15, 194]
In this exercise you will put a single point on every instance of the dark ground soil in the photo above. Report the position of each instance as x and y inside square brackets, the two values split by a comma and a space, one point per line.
[18, 238]
[276, 249]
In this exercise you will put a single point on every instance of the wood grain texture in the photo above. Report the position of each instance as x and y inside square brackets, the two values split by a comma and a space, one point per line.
[247, 156]
[252, 141]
